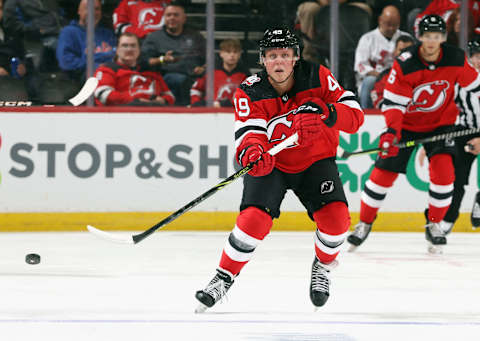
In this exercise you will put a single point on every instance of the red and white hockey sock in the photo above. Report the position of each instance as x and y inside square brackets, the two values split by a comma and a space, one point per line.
[374, 193]
[333, 221]
[440, 191]
[251, 228]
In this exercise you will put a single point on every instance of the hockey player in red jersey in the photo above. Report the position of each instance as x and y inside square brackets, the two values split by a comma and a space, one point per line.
[124, 81]
[290, 95]
[419, 102]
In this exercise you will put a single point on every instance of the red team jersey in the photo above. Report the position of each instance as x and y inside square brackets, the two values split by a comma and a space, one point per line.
[120, 84]
[419, 96]
[225, 85]
[263, 115]
[139, 17]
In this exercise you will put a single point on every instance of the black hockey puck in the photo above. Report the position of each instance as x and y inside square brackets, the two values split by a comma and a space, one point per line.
[32, 258]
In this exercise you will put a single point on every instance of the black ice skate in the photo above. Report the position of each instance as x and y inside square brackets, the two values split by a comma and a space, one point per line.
[320, 283]
[215, 290]
[359, 235]
[475, 215]
[436, 237]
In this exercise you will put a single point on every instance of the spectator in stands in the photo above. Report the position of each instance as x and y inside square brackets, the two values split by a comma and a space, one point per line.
[10, 48]
[376, 94]
[139, 17]
[36, 20]
[374, 52]
[306, 30]
[72, 43]
[229, 73]
[453, 27]
[11, 87]
[125, 82]
[176, 50]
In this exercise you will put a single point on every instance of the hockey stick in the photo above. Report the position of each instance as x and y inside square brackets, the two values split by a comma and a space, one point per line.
[139, 237]
[412, 143]
[86, 91]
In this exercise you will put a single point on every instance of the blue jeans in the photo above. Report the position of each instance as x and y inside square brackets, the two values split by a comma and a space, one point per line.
[366, 87]
[176, 83]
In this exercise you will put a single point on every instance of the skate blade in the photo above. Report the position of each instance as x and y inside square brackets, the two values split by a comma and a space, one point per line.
[435, 249]
[352, 248]
[201, 308]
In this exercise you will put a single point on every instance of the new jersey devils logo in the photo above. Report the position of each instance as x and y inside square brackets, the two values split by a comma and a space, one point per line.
[150, 18]
[429, 96]
[280, 127]
[140, 84]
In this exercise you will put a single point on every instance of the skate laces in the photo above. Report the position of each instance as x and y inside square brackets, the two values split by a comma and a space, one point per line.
[361, 229]
[435, 230]
[320, 280]
[217, 288]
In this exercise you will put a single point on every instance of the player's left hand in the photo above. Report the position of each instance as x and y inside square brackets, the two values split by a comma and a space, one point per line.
[310, 118]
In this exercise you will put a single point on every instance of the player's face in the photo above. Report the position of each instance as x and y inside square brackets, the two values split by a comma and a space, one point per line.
[128, 50]
[230, 57]
[475, 60]
[431, 42]
[279, 63]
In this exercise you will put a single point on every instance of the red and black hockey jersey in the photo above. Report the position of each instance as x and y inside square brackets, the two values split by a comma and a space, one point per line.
[225, 84]
[139, 17]
[261, 114]
[419, 96]
[120, 84]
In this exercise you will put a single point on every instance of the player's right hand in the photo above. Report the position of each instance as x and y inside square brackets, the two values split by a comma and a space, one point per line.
[265, 163]
[387, 144]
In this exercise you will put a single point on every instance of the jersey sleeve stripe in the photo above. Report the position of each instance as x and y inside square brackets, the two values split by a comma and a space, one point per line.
[349, 99]
[473, 85]
[399, 99]
[240, 135]
[102, 92]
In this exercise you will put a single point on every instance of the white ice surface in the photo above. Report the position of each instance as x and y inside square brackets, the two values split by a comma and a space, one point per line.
[88, 289]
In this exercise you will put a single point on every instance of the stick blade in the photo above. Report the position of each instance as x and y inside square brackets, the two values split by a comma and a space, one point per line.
[110, 236]
[86, 91]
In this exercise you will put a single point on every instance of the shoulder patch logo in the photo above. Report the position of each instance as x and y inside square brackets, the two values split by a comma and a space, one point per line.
[252, 80]
[404, 56]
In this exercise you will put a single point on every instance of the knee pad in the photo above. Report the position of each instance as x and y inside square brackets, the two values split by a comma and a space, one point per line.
[441, 169]
[333, 219]
[254, 222]
[383, 177]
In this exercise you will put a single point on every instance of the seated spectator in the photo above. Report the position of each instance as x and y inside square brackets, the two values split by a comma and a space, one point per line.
[139, 17]
[72, 43]
[453, 27]
[374, 52]
[227, 77]
[9, 71]
[376, 94]
[125, 82]
[176, 50]
[306, 31]
[36, 20]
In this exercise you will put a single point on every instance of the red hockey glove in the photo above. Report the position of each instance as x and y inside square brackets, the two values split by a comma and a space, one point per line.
[309, 119]
[387, 141]
[255, 152]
